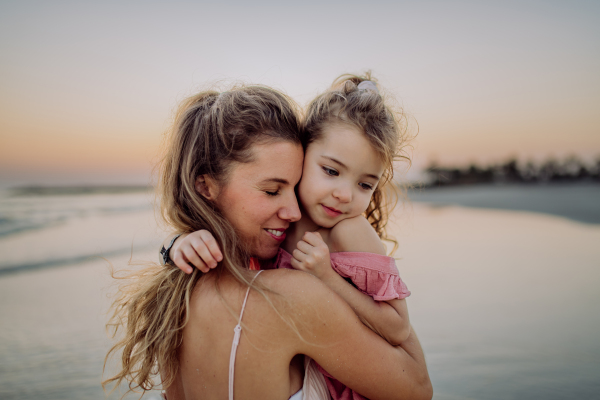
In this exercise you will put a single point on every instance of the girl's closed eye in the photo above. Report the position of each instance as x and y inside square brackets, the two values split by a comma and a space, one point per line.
[330, 171]
[366, 186]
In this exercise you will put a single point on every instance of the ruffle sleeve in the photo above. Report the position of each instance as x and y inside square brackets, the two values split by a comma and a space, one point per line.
[373, 274]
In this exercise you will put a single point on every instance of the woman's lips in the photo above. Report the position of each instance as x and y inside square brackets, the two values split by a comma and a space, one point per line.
[277, 234]
[332, 212]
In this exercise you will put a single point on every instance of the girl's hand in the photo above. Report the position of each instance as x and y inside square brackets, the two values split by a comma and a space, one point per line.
[312, 256]
[198, 249]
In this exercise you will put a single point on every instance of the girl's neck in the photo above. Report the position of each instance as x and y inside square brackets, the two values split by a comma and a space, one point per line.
[297, 229]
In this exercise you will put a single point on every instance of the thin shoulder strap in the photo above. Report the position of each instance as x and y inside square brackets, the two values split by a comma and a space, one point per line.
[237, 331]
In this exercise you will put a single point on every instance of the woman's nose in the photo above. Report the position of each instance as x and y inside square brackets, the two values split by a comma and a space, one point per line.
[290, 210]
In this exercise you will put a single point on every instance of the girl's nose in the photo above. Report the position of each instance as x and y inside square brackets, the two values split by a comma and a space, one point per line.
[343, 193]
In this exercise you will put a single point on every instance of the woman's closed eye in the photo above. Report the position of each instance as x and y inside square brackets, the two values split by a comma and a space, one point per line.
[275, 193]
[330, 171]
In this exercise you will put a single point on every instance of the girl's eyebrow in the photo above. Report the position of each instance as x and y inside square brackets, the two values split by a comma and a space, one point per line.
[341, 164]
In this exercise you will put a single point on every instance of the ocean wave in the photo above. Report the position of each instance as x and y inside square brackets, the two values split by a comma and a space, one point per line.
[59, 262]
[28, 212]
[37, 191]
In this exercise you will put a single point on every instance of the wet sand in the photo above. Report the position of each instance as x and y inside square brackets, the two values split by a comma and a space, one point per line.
[505, 303]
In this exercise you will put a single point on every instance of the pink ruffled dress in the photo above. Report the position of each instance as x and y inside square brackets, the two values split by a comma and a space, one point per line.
[374, 275]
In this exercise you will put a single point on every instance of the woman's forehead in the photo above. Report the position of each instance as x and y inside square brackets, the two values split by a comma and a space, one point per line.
[279, 161]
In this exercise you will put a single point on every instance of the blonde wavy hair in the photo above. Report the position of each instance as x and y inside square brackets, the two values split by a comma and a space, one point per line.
[384, 125]
[210, 133]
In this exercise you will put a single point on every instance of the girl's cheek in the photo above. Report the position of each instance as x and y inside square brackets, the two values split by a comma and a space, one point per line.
[367, 202]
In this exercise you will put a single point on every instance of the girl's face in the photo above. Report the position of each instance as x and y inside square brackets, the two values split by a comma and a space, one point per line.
[341, 171]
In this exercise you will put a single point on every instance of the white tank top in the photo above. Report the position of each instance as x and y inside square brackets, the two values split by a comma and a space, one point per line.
[314, 386]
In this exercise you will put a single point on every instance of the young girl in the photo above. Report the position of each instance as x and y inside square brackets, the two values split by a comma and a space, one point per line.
[352, 137]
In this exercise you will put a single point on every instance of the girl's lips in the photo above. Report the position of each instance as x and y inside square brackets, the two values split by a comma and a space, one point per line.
[277, 234]
[332, 212]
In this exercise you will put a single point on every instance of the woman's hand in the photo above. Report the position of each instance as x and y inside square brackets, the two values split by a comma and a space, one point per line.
[198, 249]
[312, 256]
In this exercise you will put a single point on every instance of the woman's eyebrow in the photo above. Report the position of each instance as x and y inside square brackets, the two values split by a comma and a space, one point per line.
[275, 180]
[341, 164]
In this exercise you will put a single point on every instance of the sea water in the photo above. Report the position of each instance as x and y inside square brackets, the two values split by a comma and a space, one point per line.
[53, 229]
[504, 302]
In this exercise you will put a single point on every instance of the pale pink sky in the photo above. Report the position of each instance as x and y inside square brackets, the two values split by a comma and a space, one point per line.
[87, 89]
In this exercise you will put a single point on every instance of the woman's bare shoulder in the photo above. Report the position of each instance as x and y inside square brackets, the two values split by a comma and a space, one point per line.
[296, 286]
[283, 288]
[306, 297]
[355, 234]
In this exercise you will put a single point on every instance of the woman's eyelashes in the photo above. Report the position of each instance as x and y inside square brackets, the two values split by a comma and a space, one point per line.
[272, 193]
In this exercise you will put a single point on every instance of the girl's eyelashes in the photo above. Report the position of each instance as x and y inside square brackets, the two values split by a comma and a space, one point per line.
[330, 171]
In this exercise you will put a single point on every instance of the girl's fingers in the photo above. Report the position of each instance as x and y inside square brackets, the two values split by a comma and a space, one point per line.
[194, 259]
[199, 247]
[298, 255]
[313, 238]
[296, 264]
[304, 247]
[181, 263]
[212, 245]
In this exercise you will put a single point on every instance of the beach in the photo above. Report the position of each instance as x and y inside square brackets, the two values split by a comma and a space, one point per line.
[505, 302]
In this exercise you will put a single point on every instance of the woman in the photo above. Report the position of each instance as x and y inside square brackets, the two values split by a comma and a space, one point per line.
[233, 161]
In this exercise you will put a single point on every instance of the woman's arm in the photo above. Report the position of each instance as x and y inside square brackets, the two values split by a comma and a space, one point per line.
[389, 319]
[333, 336]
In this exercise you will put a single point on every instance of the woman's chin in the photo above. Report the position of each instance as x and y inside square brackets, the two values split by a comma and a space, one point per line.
[266, 252]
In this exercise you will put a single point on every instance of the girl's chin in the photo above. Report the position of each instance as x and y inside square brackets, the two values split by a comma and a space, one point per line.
[326, 223]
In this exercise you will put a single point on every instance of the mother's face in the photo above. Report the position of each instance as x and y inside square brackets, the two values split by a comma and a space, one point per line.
[258, 198]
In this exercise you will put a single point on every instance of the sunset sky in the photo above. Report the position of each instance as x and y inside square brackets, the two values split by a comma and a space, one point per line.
[88, 88]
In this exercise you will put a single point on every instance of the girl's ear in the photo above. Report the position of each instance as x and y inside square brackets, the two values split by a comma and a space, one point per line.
[207, 187]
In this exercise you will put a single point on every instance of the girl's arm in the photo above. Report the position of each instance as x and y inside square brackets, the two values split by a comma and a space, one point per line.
[389, 319]
[197, 249]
